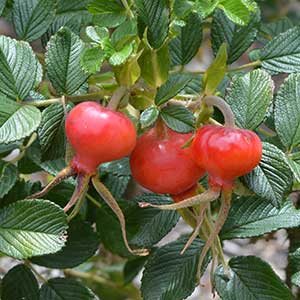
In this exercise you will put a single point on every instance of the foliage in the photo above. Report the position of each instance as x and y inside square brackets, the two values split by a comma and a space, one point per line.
[90, 50]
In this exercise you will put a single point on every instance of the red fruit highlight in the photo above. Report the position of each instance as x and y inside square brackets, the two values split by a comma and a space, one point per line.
[98, 135]
[160, 164]
[226, 153]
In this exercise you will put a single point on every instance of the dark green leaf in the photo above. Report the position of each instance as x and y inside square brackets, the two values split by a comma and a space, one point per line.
[82, 243]
[294, 167]
[185, 46]
[92, 60]
[170, 275]
[8, 177]
[63, 62]
[172, 87]
[155, 15]
[272, 178]
[149, 116]
[250, 98]
[133, 267]
[254, 216]
[155, 66]
[194, 87]
[65, 289]
[32, 18]
[105, 6]
[2, 6]
[31, 227]
[17, 121]
[16, 58]
[182, 8]
[178, 118]
[250, 278]
[109, 20]
[287, 111]
[237, 38]
[19, 284]
[282, 54]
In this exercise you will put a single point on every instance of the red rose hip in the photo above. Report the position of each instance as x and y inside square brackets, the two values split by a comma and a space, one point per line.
[226, 153]
[98, 135]
[160, 164]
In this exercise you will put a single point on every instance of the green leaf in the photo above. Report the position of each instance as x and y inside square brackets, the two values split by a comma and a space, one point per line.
[152, 224]
[133, 267]
[63, 62]
[205, 7]
[250, 278]
[2, 6]
[19, 283]
[17, 121]
[31, 227]
[170, 275]
[92, 60]
[236, 11]
[216, 71]
[124, 34]
[178, 118]
[32, 18]
[155, 66]
[254, 216]
[237, 38]
[82, 243]
[250, 98]
[155, 15]
[194, 87]
[172, 87]
[16, 58]
[8, 177]
[294, 167]
[272, 178]
[65, 289]
[185, 46]
[182, 8]
[282, 54]
[149, 116]
[105, 6]
[109, 20]
[287, 112]
[119, 57]
[97, 34]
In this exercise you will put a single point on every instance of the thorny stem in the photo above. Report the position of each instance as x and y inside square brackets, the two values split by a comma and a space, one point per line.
[63, 174]
[223, 107]
[208, 196]
[116, 98]
[223, 213]
[111, 202]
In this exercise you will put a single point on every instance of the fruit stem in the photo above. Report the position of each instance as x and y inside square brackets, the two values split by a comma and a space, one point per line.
[116, 98]
[223, 107]
[160, 129]
[112, 203]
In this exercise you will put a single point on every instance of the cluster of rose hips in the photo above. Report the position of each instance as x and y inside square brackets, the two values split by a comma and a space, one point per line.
[160, 161]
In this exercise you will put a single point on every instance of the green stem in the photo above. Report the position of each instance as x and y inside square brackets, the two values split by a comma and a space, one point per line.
[93, 200]
[249, 65]
[116, 98]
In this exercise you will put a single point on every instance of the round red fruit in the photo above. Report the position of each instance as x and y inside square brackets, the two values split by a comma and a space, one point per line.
[160, 164]
[226, 153]
[98, 135]
[191, 192]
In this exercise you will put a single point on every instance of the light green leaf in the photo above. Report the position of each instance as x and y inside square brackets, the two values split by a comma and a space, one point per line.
[97, 34]
[124, 34]
[155, 65]
[19, 283]
[185, 46]
[282, 54]
[16, 58]
[119, 57]
[8, 177]
[109, 20]
[155, 15]
[82, 243]
[251, 279]
[205, 7]
[287, 111]
[170, 275]
[294, 167]
[65, 289]
[105, 6]
[149, 116]
[172, 87]
[250, 98]
[236, 10]
[32, 18]
[17, 121]
[272, 178]
[178, 118]
[92, 60]
[31, 227]
[237, 38]
[63, 62]
[253, 216]
[216, 71]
